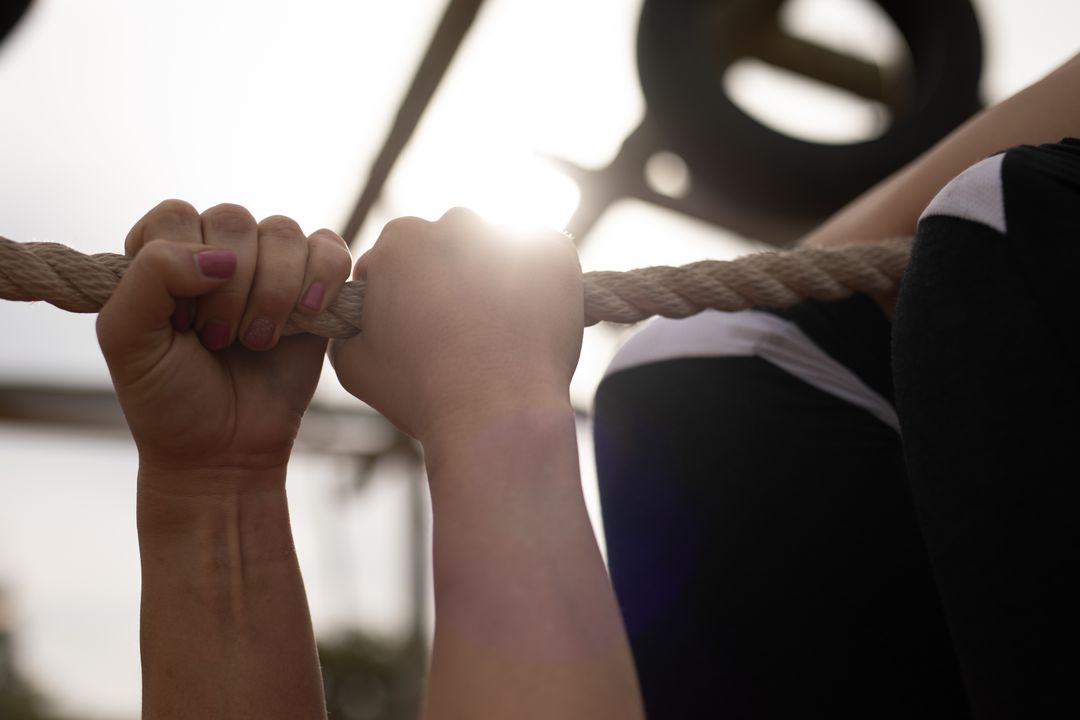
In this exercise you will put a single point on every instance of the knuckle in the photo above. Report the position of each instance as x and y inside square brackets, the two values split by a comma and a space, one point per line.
[180, 211]
[280, 226]
[330, 238]
[330, 251]
[340, 265]
[166, 217]
[230, 219]
[158, 258]
[155, 253]
[359, 268]
[459, 215]
[564, 245]
[133, 244]
[274, 300]
[403, 227]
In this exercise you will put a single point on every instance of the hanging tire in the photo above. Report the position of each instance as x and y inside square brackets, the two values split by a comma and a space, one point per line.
[682, 69]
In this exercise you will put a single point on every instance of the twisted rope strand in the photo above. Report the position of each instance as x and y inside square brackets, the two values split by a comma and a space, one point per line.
[82, 283]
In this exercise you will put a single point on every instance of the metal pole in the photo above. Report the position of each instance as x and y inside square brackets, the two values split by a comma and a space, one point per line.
[456, 21]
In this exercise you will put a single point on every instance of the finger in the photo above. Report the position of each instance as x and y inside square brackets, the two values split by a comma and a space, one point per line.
[328, 262]
[218, 315]
[279, 276]
[348, 358]
[173, 220]
[361, 375]
[339, 350]
[403, 228]
[464, 227]
[407, 228]
[360, 269]
[459, 218]
[349, 352]
[134, 327]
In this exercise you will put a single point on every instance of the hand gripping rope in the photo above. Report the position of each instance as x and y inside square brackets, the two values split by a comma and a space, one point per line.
[76, 282]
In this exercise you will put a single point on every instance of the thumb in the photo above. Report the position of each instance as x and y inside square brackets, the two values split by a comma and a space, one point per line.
[365, 377]
[134, 328]
[348, 361]
[347, 356]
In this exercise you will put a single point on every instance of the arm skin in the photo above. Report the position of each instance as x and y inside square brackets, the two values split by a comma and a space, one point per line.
[213, 397]
[1043, 113]
[226, 631]
[469, 342]
[527, 624]
[526, 621]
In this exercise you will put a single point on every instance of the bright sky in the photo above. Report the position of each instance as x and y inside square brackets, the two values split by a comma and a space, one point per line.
[112, 105]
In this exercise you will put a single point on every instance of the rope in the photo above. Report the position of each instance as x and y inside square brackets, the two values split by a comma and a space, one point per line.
[81, 283]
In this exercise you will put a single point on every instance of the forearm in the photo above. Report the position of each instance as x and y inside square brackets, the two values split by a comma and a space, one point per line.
[527, 625]
[225, 626]
[1044, 112]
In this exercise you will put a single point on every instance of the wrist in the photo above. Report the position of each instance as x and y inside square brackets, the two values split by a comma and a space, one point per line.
[188, 513]
[479, 413]
[511, 431]
[209, 479]
[214, 552]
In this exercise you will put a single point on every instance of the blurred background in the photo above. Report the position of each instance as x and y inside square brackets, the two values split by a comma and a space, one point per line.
[656, 132]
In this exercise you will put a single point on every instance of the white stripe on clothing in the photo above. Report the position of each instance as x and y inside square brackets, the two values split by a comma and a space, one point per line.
[751, 333]
[975, 194]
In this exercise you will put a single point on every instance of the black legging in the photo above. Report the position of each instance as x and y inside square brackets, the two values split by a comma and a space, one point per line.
[762, 535]
[986, 366]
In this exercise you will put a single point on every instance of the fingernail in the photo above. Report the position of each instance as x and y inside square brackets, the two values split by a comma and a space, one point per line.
[217, 263]
[215, 335]
[260, 334]
[181, 317]
[314, 296]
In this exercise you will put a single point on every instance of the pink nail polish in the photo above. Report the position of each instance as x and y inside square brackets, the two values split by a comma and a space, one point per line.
[215, 335]
[260, 334]
[217, 263]
[314, 296]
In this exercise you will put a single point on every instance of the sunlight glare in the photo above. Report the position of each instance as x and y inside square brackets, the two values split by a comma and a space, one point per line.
[503, 182]
[523, 193]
